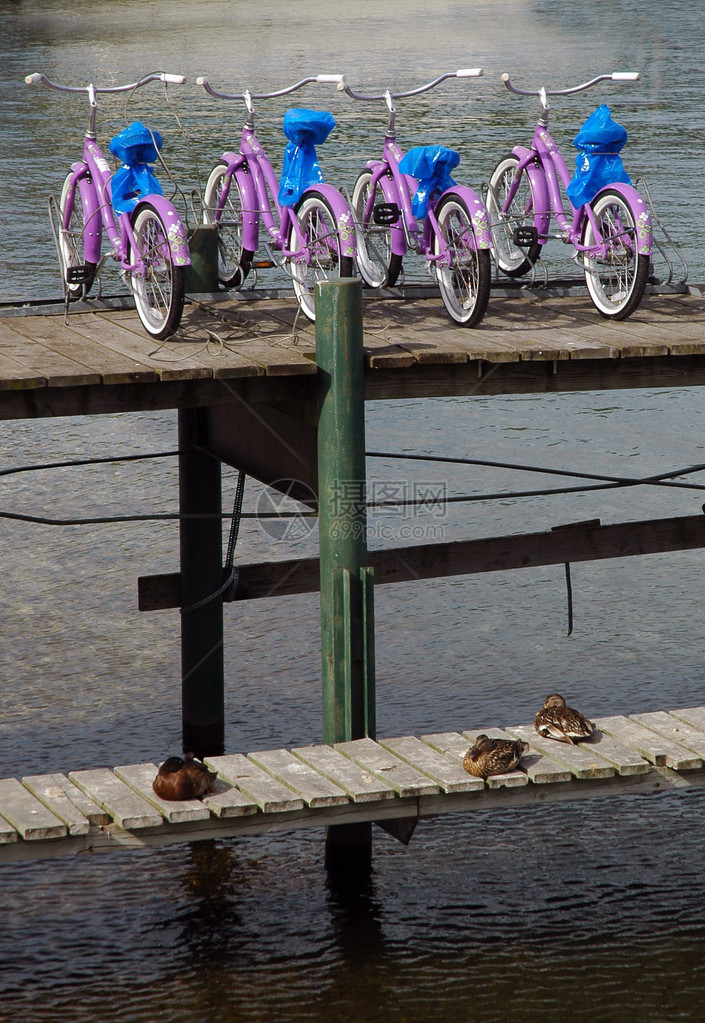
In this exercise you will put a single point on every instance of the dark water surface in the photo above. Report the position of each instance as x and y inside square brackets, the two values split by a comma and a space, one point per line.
[576, 912]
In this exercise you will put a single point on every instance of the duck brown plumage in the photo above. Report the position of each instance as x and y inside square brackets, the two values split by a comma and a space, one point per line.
[493, 756]
[183, 779]
[555, 720]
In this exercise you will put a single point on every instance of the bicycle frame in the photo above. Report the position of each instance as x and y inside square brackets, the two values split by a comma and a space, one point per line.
[259, 186]
[547, 171]
[92, 175]
[399, 189]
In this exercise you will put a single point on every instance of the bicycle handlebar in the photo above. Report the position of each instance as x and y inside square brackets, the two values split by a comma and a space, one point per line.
[616, 76]
[41, 79]
[338, 80]
[472, 72]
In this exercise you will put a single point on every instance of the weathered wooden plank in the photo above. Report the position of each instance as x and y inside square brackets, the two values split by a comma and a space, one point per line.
[77, 810]
[446, 773]
[625, 759]
[31, 818]
[694, 716]
[656, 748]
[270, 795]
[7, 832]
[582, 761]
[123, 347]
[374, 758]
[361, 785]
[314, 788]
[139, 777]
[65, 342]
[27, 351]
[536, 767]
[123, 804]
[668, 726]
[227, 801]
[450, 744]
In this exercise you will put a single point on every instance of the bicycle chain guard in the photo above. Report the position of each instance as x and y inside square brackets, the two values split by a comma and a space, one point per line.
[386, 213]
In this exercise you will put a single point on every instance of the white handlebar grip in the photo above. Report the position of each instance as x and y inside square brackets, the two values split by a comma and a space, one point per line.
[201, 80]
[470, 72]
[505, 77]
[173, 79]
[34, 79]
[626, 76]
[333, 79]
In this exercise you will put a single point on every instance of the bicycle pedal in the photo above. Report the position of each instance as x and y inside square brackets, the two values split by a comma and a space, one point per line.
[525, 237]
[385, 213]
[78, 275]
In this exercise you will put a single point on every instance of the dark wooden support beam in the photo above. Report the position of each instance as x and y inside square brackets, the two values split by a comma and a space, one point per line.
[275, 445]
[201, 550]
[582, 542]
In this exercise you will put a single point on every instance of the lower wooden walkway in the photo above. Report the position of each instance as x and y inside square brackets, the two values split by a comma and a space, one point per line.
[408, 777]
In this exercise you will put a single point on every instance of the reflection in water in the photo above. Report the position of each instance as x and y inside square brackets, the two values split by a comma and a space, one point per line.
[206, 924]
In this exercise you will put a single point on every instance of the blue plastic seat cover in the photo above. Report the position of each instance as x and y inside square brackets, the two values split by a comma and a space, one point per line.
[136, 146]
[305, 129]
[598, 163]
[431, 166]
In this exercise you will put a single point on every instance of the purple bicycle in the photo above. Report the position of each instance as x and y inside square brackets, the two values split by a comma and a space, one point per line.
[147, 236]
[611, 233]
[397, 210]
[314, 233]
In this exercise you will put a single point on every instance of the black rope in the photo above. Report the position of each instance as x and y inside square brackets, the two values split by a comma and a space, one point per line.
[628, 481]
[87, 461]
[234, 575]
[569, 590]
[230, 584]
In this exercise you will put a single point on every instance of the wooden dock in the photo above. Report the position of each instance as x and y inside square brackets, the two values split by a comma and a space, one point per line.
[242, 375]
[400, 779]
[256, 348]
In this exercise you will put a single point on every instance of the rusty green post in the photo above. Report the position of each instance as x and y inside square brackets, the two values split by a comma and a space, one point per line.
[347, 613]
[201, 550]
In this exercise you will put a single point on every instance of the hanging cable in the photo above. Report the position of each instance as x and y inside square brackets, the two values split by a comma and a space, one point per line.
[230, 584]
[234, 570]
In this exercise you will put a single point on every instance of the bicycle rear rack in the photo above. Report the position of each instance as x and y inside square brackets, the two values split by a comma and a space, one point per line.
[525, 236]
[667, 242]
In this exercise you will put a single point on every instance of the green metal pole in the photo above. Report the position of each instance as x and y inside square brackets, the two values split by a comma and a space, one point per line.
[347, 615]
[201, 549]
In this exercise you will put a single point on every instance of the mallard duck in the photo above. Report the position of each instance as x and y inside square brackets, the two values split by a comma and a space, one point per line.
[493, 756]
[183, 779]
[557, 721]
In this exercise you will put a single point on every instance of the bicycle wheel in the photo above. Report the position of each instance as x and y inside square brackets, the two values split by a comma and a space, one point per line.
[234, 261]
[157, 285]
[379, 267]
[511, 258]
[465, 282]
[322, 258]
[78, 275]
[615, 279]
